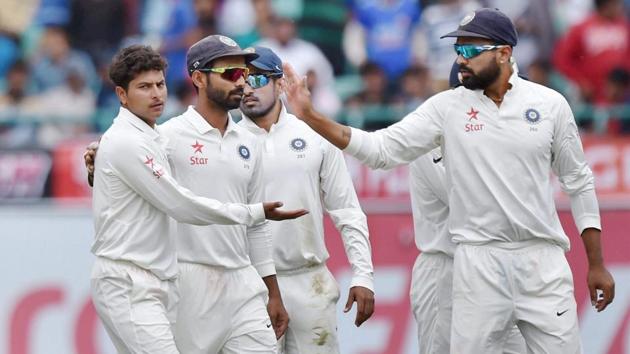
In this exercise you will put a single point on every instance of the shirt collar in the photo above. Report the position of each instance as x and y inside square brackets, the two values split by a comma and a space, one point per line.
[196, 120]
[127, 116]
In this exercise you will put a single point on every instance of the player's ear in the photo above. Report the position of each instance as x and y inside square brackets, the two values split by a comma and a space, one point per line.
[122, 95]
[199, 79]
[504, 53]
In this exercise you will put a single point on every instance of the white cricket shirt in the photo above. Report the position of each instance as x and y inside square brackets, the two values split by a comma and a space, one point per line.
[303, 170]
[429, 204]
[227, 168]
[134, 194]
[497, 160]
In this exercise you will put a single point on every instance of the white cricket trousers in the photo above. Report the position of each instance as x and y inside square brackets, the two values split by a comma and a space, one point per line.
[500, 284]
[137, 308]
[223, 311]
[310, 296]
[432, 304]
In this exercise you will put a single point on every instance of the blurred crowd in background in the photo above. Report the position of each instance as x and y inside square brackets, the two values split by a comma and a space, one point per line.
[367, 62]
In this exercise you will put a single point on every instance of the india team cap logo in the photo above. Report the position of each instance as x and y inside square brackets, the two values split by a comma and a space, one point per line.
[227, 41]
[532, 116]
[466, 20]
[298, 144]
[243, 152]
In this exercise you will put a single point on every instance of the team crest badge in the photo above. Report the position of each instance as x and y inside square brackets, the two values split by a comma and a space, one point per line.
[227, 41]
[298, 144]
[243, 152]
[532, 116]
[466, 20]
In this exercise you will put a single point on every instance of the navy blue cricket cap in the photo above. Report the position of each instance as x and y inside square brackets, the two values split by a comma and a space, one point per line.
[267, 60]
[214, 47]
[487, 23]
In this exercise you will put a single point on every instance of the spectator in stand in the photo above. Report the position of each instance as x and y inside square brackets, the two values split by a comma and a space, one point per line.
[369, 107]
[15, 133]
[206, 16]
[374, 85]
[618, 94]
[98, 27]
[436, 20]
[304, 57]
[592, 48]
[385, 34]
[415, 87]
[16, 87]
[54, 60]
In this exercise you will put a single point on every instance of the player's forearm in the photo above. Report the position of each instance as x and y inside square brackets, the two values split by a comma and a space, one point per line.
[272, 286]
[591, 238]
[337, 134]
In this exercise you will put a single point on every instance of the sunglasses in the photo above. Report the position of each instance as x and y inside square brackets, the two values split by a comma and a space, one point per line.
[469, 51]
[230, 73]
[256, 81]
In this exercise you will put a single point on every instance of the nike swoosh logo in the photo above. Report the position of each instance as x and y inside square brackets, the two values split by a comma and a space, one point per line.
[437, 160]
[561, 313]
[269, 325]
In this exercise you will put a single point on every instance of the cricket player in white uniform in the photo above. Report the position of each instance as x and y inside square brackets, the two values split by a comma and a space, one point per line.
[501, 137]
[304, 169]
[223, 300]
[134, 276]
[432, 275]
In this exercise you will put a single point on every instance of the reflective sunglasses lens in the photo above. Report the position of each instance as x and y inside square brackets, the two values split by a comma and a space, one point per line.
[233, 74]
[467, 51]
[257, 81]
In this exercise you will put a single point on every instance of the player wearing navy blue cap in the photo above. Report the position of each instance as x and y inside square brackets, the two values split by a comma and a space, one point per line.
[501, 136]
[293, 154]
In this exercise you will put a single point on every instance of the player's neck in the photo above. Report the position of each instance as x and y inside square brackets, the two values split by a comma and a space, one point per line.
[216, 116]
[271, 118]
[496, 92]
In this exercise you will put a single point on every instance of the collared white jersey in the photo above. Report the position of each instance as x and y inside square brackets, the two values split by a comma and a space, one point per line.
[305, 171]
[498, 160]
[134, 194]
[228, 168]
[429, 204]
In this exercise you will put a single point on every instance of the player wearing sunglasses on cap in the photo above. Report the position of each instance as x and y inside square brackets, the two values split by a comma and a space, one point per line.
[501, 136]
[293, 154]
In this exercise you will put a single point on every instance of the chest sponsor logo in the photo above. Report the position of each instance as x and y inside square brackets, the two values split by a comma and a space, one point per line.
[195, 159]
[532, 116]
[298, 145]
[158, 171]
[473, 124]
[243, 152]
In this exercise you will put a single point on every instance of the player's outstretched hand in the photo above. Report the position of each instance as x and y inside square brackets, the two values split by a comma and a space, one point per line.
[273, 213]
[278, 316]
[364, 298]
[88, 157]
[600, 279]
[296, 90]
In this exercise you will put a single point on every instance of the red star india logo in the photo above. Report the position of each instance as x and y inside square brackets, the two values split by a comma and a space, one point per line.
[197, 147]
[472, 114]
[149, 161]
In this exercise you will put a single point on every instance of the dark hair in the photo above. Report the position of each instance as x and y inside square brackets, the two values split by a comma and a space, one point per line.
[369, 67]
[131, 61]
